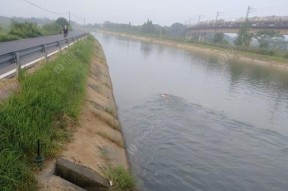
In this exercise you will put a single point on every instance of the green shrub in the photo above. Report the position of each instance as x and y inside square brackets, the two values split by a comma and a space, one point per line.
[51, 28]
[25, 30]
[285, 55]
[121, 179]
[7, 37]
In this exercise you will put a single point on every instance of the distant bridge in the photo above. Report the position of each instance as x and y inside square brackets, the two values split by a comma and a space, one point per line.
[233, 27]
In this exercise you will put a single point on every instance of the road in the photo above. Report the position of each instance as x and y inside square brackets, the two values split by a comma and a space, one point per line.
[17, 45]
[13, 46]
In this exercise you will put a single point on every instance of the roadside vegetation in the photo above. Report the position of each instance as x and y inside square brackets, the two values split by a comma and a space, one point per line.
[266, 43]
[18, 30]
[121, 179]
[48, 100]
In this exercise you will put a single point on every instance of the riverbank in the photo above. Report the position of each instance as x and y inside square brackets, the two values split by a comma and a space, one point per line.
[97, 142]
[37, 107]
[219, 54]
[69, 100]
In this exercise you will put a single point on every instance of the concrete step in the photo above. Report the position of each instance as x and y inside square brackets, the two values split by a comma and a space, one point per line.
[81, 176]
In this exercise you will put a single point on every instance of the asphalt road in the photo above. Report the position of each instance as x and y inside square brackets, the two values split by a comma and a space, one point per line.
[14, 46]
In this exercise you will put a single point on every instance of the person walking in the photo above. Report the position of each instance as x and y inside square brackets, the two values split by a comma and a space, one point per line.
[65, 31]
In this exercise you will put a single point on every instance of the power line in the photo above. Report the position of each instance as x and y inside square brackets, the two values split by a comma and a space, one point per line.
[81, 18]
[275, 10]
[248, 13]
[53, 12]
[44, 9]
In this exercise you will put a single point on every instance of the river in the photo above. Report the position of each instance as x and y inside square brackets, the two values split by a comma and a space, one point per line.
[222, 126]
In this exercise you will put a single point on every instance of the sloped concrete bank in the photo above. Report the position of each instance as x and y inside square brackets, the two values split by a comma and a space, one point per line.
[97, 142]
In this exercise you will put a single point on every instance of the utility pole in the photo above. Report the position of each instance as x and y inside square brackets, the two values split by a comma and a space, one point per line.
[217, 15]
[199, 18]
[248, 11]
[84, 21]
[69, 17]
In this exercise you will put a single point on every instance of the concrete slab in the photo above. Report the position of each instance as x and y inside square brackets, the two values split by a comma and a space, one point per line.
[80, 176]
[63, 185]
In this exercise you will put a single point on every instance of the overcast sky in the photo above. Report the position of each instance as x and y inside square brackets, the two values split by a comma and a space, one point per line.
[164, 12]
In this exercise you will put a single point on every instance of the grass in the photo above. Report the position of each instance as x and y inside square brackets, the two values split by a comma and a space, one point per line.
[121, 179]
[111, 111]
[111, 138]
[7, 37]
[108, 119]
[107, 85]
[97, 88]
[37, 111]
[104, 154]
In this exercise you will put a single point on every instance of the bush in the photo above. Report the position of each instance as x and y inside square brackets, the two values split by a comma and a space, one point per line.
[121, 179]
[24, 30]
[51, 28]
[263, 51]
[7, 37]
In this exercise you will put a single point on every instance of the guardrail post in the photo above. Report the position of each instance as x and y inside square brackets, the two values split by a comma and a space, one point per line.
[18, 64]
[67, 40]
[59, 45]
[45, 52]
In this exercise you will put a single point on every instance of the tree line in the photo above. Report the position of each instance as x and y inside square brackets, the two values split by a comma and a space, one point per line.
[18, 30]
[148, 28]
[267, 42]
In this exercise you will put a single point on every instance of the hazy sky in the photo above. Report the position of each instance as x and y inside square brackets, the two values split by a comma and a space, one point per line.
[164, 12]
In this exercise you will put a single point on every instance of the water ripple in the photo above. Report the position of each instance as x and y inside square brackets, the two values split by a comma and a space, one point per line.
[202, 149]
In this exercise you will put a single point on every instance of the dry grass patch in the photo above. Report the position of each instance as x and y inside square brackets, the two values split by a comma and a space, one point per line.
[112, 138]
[108, 119]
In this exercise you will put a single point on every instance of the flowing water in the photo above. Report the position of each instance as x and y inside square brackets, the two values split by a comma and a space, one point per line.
[221, 126]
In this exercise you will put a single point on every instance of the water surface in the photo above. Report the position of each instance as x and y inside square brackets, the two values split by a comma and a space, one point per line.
[223, 126]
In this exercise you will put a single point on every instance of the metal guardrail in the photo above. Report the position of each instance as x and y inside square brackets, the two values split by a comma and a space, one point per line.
[15, 56]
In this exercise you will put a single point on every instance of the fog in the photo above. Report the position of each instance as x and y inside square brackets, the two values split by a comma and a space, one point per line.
[164, 12]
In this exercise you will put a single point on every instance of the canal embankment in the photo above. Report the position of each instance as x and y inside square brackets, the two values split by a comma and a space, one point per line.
[97, 142]
[220, 54]
[68, 106]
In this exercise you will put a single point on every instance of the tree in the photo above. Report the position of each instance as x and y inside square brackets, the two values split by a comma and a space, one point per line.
[163, 31]
[280, 44]
[267, 37]
[61, 21]
[24, 30]
[218, 38]
[177, 29]
[148, 27]
[244, 37]
[52, 28]
[56, 27]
